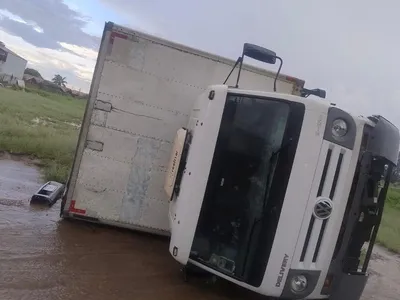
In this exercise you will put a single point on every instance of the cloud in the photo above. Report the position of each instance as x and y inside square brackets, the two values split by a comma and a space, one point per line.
[349, 48]
[77, 64]
[50, 35]
[135, 17]
[7, 14]
[4, 14]
[81, 51]
[28, 33]
[46, 23]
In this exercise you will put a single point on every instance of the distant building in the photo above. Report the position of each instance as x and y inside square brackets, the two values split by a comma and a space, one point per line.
[12, 66]
[33, 80]
[38, 82]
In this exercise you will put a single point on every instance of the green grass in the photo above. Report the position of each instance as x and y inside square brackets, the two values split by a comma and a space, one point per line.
[362, 257]
[42, 125]
[389, 230]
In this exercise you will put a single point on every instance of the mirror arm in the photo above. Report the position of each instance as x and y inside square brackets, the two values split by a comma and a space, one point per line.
[240, 70]
[239, 60]
[279, 70]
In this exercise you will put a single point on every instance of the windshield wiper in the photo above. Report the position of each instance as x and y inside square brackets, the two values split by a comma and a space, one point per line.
[266, 194]
[270, 172]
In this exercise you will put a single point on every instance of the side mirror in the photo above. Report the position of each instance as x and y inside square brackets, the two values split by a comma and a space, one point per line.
[316, 92]
[320, 93]
[259, 53]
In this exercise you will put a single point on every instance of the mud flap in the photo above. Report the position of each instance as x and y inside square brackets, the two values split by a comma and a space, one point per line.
[350, 287]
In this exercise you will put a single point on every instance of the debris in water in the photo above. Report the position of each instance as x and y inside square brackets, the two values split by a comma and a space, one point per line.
[48, 193]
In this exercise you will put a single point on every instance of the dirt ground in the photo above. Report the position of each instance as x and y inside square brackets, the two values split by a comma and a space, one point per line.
[44, 257]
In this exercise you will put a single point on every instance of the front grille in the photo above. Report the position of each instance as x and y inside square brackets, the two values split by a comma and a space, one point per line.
[331, 196]
[331, 163]
[312, 219]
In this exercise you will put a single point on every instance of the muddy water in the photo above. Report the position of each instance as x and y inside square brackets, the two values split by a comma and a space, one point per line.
[43, 257]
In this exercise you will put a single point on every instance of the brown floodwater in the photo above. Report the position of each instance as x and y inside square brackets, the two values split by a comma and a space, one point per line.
[44, 257]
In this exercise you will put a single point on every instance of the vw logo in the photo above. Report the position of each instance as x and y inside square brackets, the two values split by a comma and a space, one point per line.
[323, 208]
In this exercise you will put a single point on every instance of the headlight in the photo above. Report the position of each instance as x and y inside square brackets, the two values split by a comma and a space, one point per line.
[339, 128]
[298, 283]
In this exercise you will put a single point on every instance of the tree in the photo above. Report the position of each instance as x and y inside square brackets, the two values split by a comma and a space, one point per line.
[32, 72]
[59, 80]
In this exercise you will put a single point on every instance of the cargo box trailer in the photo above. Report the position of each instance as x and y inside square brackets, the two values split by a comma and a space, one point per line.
[143, 91]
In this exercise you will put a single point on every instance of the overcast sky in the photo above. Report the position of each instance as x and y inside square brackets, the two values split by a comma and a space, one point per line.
[349, 48]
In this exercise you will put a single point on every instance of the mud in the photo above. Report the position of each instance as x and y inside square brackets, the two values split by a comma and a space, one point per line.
[44, 257]
[384, 281]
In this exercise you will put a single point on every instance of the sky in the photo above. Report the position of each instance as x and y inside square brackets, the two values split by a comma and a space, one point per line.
[349, 48]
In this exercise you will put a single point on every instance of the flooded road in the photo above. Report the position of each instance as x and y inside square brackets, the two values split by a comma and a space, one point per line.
[44, 257]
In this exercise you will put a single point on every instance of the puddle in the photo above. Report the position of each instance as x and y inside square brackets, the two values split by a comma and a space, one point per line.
[43, 257]
[18, 180]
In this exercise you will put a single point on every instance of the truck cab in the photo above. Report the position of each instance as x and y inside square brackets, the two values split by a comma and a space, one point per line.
[266, 191]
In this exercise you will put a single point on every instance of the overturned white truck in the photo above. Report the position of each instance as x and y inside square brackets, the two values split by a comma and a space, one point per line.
[254, 182]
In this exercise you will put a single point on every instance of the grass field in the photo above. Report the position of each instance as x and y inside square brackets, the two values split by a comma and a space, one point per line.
[389, 231]
[44, 126]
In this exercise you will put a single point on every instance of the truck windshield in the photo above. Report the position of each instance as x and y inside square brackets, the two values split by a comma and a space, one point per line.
[245, 190]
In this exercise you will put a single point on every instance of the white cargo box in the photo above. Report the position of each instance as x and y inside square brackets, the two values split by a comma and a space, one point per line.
[142, 92]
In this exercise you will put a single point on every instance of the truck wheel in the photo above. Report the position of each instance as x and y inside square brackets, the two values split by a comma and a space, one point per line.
[190, 270]
[184, 273]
